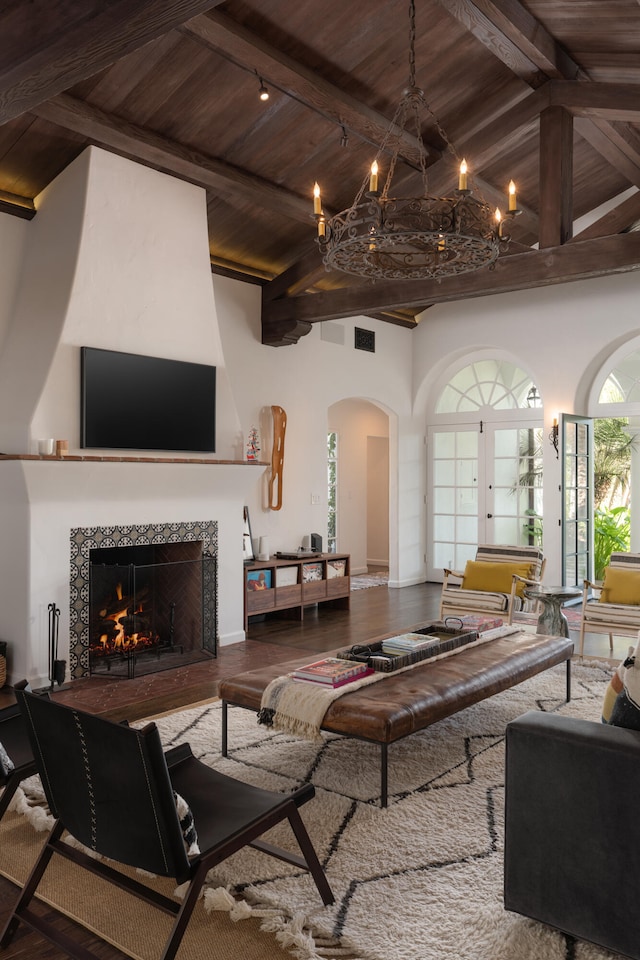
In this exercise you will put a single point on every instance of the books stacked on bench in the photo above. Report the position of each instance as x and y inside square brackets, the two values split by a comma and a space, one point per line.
[409, 643]
[332, 672]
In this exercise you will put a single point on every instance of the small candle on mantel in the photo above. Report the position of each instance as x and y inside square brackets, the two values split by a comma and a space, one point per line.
[373, 179]
[317, 202]
[512, 196]
[462, 178]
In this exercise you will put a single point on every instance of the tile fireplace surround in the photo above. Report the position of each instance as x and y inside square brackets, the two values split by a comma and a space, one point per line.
[85, 539]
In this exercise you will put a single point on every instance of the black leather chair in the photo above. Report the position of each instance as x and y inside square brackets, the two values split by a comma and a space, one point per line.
[15, 740]
[112, 788]
[572, 832]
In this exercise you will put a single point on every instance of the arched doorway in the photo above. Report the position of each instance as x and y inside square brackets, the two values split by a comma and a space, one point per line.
[360, 468]
[485, 463]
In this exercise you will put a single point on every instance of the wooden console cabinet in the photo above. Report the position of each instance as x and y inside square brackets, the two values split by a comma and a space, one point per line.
[288, 586]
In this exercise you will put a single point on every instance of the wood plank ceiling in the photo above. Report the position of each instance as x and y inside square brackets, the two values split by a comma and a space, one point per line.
[546, 92]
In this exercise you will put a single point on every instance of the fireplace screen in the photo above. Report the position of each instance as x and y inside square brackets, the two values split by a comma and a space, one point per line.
[150, 616]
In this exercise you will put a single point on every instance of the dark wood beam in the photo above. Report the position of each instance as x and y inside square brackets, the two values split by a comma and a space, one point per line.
[16, 206]
[231, 40]
[621, 218]
[474, 17]
[556, 177]
[516, 37]
[615, 151]
[562, 264]
[300, 276]
[602, 101]
[397, 318]
[76, 41]
[170, 157]
[503, 25]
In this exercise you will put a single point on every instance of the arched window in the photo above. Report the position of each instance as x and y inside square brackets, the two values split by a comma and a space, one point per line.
[498, 384]
[623, 383]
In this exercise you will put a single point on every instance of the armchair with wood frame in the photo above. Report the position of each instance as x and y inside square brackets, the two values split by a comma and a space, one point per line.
[612, 605]
[115, 791]
[493, 583]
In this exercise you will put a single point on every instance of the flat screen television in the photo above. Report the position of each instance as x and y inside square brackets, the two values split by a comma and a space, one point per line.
[135, 402]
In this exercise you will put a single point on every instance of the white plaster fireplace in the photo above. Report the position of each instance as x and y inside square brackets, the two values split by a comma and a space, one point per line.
[117, 258]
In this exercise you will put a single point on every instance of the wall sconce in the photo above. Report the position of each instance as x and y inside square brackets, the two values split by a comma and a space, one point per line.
[553, 436]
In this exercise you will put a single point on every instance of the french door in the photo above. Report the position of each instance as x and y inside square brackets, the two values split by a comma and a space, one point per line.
[485, 487]
[577, 500]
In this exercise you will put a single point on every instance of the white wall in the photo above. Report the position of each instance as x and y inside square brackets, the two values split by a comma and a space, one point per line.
[562, 335]
[306, 380]
[117, 257]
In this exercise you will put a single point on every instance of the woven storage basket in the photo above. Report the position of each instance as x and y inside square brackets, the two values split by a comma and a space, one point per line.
[3, 663]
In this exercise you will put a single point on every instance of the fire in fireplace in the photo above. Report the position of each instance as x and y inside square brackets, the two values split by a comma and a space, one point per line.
[151, 607]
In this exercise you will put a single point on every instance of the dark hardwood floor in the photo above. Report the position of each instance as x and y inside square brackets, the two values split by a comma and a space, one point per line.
[373, 612]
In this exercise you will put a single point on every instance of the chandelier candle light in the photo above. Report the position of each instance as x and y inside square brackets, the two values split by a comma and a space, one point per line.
[395, 238]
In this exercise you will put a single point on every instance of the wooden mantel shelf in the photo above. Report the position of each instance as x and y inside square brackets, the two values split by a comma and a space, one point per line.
[100, 459]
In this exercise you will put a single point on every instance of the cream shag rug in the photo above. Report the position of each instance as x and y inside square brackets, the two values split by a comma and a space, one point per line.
[421, 880]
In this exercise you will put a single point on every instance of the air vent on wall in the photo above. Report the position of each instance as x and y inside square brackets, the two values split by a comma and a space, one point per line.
[365, 340]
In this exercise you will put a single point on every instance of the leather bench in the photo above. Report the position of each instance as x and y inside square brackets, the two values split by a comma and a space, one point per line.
[404, 703]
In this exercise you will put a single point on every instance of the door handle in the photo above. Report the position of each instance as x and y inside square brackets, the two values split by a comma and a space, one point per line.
[489, 516]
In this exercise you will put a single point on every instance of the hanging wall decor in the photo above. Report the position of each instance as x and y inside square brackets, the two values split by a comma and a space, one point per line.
[277, 457]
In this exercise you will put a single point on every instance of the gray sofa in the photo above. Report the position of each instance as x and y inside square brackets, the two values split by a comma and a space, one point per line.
[572, 828]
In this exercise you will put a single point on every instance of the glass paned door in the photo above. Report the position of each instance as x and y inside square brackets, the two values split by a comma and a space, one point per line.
[454, 498]
[515, 492]
[577, 500]
[486, 488]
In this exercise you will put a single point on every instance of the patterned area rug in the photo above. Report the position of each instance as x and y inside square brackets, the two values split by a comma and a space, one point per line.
[421, 880]
[367, 580]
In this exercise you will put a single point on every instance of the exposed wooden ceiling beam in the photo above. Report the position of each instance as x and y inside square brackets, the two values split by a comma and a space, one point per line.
[75, 42]
[170, 157]
[518, 35]
[603, 101]
[21, 207]
[601, 140]
[568, 262]
[622, 217]
[556, 177]
[474, 18]
[233, 41]
[504, 24]
[297, 278]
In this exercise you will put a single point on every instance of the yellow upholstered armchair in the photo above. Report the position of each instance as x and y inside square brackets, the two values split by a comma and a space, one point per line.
[612, 606]
[493, 583]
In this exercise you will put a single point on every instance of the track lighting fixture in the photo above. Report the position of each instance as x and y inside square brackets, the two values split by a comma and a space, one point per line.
[344, 139]
[263, 92]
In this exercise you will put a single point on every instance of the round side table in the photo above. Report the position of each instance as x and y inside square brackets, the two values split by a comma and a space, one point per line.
[552, 620]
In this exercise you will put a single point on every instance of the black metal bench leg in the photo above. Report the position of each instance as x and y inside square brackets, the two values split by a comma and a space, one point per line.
[384, 774]
[569, 680]
[224, 727]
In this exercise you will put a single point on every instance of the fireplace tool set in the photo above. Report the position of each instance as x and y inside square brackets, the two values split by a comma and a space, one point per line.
[57, 668]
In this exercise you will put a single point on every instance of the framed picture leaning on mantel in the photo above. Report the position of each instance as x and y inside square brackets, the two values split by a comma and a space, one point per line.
[247, 542]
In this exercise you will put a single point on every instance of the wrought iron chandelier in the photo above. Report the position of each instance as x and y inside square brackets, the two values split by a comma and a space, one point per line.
[384, 237]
